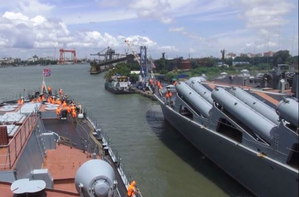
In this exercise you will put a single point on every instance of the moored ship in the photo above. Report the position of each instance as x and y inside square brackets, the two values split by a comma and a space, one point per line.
[251, 135]
[119, 85]
[46, 153]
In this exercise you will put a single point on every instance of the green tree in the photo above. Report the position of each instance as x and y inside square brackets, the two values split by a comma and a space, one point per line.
[161, 66]
[281, 57]
[169, 76]
[134, 66]
[134, 77]
[194, 64]
[121, 69]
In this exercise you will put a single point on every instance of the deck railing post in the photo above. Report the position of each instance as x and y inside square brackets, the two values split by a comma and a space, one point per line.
[15, 147]
[9, 159]
[21, 137]
[25, 131]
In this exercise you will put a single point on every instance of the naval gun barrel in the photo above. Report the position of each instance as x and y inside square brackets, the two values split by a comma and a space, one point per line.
[288, 110]
[255, 121]
[195, 101]
[256, 104]
[201, 90]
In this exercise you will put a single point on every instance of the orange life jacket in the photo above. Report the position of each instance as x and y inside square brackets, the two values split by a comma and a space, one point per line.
[57, 111]
[131, 190]
[74, 114]
[58, 102]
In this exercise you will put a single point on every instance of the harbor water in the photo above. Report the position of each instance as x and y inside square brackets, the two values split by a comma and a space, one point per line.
[159, 159]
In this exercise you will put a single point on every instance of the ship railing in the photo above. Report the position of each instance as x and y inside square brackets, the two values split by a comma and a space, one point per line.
[10, 152]
[15, 97]
[25, 93]
[122, 170]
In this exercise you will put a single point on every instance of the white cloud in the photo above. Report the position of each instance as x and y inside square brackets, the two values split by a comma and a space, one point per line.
[182, 31]
[168, 48]
[267, 45]
[15, 16]
[26, 32]
[249, 44]
[38, 20]
[96, 17]
[3, 42]
[161, 10]
[265, 13]
[33, 7]
[41, 33]
[191, 50]
[137, 40]
[177, 29]
[157, 9]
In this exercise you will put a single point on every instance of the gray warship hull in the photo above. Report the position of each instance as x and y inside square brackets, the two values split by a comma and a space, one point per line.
[261, 175]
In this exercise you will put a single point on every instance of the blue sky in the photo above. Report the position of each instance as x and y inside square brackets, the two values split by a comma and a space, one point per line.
[195, 28]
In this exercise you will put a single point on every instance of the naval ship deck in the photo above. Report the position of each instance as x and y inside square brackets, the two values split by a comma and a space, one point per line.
[77, 145]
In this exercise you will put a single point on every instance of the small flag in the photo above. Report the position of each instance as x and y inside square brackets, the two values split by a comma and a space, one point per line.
[47, 72]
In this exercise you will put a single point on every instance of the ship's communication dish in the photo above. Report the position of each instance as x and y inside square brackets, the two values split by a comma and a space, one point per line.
[23, 186]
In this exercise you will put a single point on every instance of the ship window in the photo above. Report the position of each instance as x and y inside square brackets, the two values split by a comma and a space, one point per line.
[185, 112]
[227, 129]
[293, 156]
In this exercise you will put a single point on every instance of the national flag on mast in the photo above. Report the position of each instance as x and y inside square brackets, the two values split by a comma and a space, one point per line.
[47, 72]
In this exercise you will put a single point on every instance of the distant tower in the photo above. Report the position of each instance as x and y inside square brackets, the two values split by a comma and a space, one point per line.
[143, 62]
[163, 55]
[222, 56]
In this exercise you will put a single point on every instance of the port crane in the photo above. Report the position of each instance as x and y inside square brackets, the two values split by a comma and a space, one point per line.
[109, 53]
[146, 72]
[62, 51]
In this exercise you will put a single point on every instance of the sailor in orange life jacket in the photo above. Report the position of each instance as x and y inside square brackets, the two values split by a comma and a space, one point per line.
[60, 92]
[58, 112]
[168, 96]
[20, 101]
[132, 189]
[49, 90]
[58, 102]
[74, 114]
[68, 109]
[38, 100]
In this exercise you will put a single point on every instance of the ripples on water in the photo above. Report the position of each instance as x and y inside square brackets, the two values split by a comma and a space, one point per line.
[162, 162]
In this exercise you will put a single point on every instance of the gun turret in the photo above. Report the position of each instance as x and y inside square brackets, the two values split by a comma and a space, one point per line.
[95, 178]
